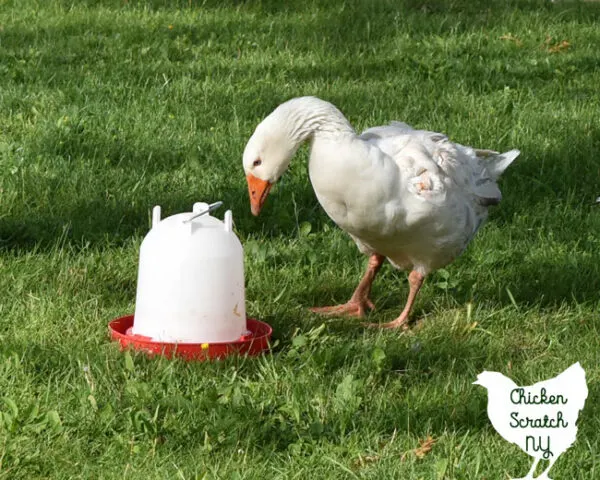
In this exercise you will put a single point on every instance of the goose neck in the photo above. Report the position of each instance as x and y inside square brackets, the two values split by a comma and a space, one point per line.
[310, 118]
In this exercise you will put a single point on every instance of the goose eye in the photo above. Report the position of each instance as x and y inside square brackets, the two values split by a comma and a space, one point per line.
[257, 162]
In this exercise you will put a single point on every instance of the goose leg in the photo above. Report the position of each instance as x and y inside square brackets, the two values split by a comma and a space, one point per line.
[415, 280]
[360, 301]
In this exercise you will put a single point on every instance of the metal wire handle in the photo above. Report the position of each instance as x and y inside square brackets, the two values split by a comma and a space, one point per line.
[211, 207]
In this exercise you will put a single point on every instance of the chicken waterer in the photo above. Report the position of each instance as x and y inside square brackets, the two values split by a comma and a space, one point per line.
[190, 297]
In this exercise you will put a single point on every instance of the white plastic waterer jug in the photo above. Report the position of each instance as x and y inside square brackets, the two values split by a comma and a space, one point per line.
[191, 280]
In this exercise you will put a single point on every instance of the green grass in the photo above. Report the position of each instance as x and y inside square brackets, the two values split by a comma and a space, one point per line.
[108, 108]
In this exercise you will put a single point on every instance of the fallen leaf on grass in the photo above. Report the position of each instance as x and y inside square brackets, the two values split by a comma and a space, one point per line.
[423, 449]
[512, 38]
[363, 461]
[555, 47]
[559, 47]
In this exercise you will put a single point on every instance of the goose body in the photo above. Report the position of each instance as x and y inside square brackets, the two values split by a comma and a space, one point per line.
[411, 196]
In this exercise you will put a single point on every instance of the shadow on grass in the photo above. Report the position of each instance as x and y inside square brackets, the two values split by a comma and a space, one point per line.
[547, 284]
[91, 220]
[114, 218]
[424, 7]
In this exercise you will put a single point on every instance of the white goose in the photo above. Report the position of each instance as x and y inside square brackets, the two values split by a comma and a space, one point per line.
[407, 195]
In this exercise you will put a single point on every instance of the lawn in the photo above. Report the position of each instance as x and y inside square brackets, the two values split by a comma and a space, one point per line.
[108, 108]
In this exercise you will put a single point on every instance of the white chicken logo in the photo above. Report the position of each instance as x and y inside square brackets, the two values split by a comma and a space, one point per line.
[540, 418]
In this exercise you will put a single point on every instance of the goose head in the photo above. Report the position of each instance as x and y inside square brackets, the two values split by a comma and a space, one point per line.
[277, 138]
[267, 156]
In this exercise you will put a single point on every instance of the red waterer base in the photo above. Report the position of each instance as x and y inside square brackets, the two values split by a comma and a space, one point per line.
[253, 343]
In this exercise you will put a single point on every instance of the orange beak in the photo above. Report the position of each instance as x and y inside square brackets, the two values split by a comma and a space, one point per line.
[258, 190]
